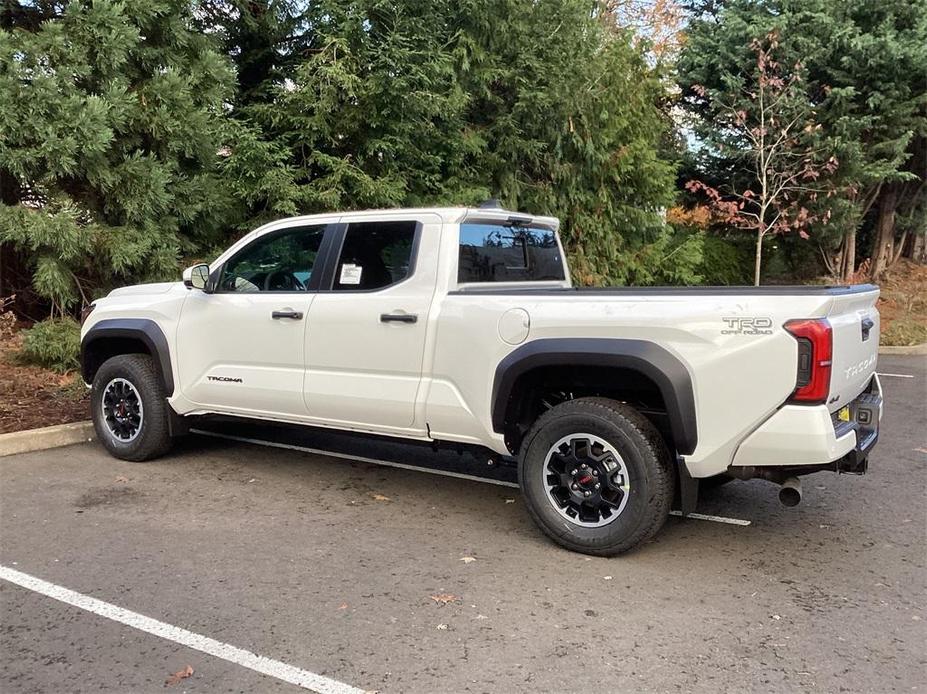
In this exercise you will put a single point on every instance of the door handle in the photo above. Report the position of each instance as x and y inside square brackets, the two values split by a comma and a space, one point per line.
[398, 318]
[287, 313]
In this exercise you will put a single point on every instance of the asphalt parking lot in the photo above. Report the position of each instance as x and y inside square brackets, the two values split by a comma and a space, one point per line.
[342, 569]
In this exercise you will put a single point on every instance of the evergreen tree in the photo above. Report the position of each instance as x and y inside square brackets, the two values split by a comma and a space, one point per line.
[112, 116]
[568, 110]
[128, 140]
[265, 39]
[866, 68]
[413, 102]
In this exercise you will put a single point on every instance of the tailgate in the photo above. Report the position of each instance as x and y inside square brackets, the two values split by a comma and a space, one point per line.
[855, 323]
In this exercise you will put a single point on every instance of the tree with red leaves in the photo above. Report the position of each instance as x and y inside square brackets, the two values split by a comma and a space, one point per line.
[764, 123]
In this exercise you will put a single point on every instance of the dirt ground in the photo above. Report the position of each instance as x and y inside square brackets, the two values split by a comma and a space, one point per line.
[903, 304]
[33, 397]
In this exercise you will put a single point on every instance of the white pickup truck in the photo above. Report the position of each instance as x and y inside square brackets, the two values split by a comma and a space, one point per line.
[460, 326]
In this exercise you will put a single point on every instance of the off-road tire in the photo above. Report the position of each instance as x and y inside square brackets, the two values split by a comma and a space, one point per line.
[652, 477]
[153, 437]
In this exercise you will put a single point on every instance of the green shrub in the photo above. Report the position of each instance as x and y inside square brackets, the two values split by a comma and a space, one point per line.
[725, 262]
[53, 343]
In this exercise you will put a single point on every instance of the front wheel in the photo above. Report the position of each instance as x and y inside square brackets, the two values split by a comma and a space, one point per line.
[130, 412]
[597, 476]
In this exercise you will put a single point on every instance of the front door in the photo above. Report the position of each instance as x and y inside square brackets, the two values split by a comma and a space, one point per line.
[241, 348]
[366, 336]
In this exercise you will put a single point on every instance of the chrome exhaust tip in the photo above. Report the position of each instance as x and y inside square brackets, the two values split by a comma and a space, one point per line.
[790, 492]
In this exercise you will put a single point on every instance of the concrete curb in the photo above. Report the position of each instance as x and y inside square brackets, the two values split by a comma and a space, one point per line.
[47, 437]
[919, 350]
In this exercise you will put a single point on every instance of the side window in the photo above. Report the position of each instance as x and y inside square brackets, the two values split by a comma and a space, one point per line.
[374, 255]
[281, 261]
[504, 253]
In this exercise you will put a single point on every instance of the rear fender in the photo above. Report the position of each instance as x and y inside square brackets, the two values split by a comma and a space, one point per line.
[651, 360]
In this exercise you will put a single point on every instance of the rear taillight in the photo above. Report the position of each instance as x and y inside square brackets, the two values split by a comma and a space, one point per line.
[815, 351]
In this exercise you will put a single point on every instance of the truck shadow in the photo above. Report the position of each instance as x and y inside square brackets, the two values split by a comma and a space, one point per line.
[432, 489]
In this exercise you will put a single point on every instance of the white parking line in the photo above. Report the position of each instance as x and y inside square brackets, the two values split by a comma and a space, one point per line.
[714, 519]
[415, 468]
[258, 663]
[896, 375]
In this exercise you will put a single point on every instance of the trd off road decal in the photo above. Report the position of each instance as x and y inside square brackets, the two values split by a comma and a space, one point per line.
[747, 326]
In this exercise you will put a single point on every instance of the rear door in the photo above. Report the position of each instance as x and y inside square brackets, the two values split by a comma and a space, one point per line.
[366, 335]
[854, 320]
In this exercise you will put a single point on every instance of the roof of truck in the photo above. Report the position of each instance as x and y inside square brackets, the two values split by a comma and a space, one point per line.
[448, 215]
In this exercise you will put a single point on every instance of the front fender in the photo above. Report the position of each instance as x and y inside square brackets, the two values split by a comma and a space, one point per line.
[100, 340]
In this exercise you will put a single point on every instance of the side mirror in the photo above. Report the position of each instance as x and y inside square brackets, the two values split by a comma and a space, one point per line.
[196, 277]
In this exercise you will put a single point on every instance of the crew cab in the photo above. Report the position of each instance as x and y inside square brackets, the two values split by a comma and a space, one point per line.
[460, 326]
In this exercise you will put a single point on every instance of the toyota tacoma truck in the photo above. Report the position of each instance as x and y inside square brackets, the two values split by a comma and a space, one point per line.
[460, 326]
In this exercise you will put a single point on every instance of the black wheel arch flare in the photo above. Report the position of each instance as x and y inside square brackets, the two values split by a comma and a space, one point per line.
[144, 330]
[648, 358]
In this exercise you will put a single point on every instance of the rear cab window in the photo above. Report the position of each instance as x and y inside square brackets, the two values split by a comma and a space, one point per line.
[506, 252]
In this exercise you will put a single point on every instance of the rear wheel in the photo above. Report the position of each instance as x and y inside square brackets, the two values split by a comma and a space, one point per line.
[129, 409]
[597, 476]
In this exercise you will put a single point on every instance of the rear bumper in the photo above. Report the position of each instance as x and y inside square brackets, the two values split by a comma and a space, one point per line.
[797, 436]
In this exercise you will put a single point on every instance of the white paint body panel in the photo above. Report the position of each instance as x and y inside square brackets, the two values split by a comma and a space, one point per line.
[797, 435]
[341, 367]
[361, 371]
[234, 336]
[854, 360]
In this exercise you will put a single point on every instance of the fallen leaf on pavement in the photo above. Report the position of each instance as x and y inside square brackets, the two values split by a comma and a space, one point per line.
[510, 501]
[442, 627]
[468, 560]
[178, 676]
[343, 606]
[380, 497]
[444, 598]
[122, 479]
[921, 450]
